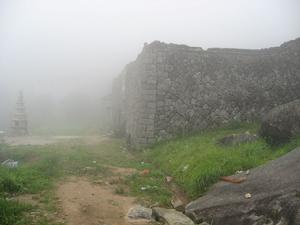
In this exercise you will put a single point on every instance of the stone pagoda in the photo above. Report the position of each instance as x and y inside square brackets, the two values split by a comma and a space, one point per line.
[19, 125]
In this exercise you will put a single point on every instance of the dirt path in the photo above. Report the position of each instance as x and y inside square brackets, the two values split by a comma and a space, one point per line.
[81, 200]
[46, 140]
[85, 203]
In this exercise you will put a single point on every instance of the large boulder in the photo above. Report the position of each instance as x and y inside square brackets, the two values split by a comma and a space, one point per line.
[269, 195]
[281, 123]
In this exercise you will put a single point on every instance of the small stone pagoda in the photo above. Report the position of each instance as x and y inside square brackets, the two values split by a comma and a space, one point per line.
[19, 125]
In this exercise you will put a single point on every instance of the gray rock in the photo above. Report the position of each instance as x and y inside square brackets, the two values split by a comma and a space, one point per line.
[235, 139]
[139, 212]
[171, 216]
[275, 196]
[177, 204]
[281, 123]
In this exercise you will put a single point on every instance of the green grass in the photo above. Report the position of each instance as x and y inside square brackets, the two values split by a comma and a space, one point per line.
[150, 188]
[12, 212]
[40, 167]
[198, 161]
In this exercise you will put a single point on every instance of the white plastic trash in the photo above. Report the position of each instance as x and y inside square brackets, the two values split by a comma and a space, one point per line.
[9, 163]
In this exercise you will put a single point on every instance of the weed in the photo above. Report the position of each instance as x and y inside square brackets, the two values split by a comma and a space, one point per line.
[119, 190]
[150, 188]
[10, 185]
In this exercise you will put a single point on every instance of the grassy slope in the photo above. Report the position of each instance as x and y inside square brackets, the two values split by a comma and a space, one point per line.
[40, 167]
[197, 162]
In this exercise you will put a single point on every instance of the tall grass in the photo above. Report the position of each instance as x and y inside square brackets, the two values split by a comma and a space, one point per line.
[11, 212]
[198, 161]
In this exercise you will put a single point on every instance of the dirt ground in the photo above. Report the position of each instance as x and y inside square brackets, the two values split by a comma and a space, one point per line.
[84, 203]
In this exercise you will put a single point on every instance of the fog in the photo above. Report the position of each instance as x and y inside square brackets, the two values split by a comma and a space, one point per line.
[64, 54]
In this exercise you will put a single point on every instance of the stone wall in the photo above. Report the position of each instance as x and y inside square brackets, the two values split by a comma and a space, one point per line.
[174, 89]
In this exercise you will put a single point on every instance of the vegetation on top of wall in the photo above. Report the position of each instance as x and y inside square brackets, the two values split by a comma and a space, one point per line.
[198, 161]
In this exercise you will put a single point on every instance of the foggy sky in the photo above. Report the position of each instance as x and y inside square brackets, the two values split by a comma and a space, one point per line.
[63, 48]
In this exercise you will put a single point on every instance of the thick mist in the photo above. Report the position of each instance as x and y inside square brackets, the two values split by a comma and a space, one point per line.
[64, 54]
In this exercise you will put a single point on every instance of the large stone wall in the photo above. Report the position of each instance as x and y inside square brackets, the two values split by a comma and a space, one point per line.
[174, 89]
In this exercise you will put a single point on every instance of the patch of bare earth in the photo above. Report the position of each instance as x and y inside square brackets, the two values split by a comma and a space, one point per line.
[85, 203]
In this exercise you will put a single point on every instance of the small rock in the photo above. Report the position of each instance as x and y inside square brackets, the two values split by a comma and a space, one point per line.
[177, 204]
[171, 216]
[248, 195]
[143, 188]
[139, 212]
[185, 168]
[148, 187]
[169, 179]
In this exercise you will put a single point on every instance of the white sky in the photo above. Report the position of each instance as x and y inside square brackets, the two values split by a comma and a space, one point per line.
[57, 47]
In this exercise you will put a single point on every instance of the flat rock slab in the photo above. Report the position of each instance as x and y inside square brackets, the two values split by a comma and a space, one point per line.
[171, 216]
[275, 196]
